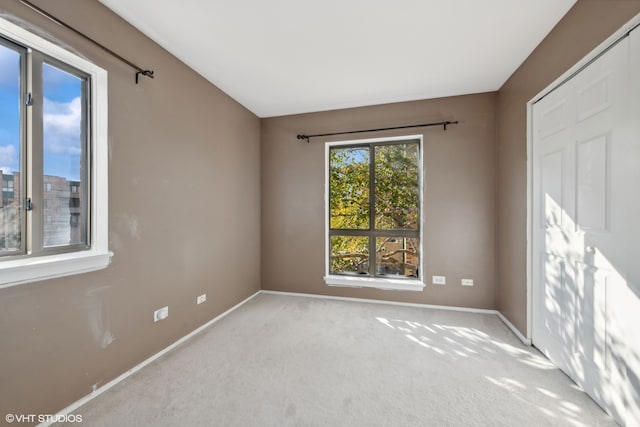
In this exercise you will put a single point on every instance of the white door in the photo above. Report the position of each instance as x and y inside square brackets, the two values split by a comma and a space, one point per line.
[633, 233]
[585, 226]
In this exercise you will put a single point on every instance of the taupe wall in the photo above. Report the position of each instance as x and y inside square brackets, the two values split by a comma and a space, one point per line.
[184, 219]
[460, 198]
[586, 25]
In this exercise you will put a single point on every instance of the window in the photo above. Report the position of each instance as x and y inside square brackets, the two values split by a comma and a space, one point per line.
[7, 183]
[53, 160]
[373, 213]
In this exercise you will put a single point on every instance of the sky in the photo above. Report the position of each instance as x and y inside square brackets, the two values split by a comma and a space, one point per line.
[62, 114]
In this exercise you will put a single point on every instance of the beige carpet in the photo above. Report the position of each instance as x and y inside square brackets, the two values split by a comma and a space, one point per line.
[298, 361]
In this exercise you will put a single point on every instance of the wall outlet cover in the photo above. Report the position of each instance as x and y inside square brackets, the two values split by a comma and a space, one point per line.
[439, 280]
[161, 314]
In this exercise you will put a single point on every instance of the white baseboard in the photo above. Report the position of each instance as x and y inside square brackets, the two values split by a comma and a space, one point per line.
[525, 340]
[375, 301]
[77, 404]
[517, 333]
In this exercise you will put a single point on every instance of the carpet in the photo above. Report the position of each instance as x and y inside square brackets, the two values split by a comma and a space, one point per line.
[284, 360]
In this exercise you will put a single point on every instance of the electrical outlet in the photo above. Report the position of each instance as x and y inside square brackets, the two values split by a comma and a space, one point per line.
[439, 280]
[467, 282]
[160, 314]
[202, 298]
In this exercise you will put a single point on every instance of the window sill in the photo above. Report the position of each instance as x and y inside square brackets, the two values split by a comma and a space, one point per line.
[375, 282]
[16, 272]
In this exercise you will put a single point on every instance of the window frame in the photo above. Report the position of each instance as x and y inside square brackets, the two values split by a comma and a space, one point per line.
[387, 283]
[36, 227]
[29, 267]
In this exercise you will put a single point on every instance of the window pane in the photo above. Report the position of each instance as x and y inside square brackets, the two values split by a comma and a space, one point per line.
[349, 188]
[397, 256]
[349, 254]
[64, 153]
[10, 206]
[397, 186]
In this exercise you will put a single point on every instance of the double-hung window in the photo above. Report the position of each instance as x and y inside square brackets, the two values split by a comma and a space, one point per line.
[52, 160]
[374, 213]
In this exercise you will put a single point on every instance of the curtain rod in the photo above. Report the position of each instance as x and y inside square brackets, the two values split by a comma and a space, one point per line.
[139, 70]
[443, 124]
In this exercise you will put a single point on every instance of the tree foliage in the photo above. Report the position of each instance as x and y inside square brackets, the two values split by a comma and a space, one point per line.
[396, 187]
[349, 188]
[396, 201]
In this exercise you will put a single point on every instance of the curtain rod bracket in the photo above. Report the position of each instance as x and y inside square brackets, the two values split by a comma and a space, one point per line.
[301, 137]
[443, 124]
[139, 70]
[147, 73]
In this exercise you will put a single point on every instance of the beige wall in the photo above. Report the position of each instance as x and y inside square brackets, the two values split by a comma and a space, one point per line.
[586, 25]
[184, 220]
[459, 217]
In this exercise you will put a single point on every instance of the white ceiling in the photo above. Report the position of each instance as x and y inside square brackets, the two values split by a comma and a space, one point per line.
[282, 57]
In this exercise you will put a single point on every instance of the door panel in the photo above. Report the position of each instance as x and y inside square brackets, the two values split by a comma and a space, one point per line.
[554, 279]
[552, 203]
[593, 96]
[592, 181]
[586, 211]
[554, 119]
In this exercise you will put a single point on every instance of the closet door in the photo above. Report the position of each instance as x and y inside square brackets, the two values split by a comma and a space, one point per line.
[632, 239]
[601, 134]
[554, 230]
[584, 165]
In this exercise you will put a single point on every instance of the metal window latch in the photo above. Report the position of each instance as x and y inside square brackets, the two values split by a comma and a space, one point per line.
[28, 204]
[29, 101]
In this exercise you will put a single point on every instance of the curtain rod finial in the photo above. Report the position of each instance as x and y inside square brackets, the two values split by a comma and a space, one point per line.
[301, 137]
